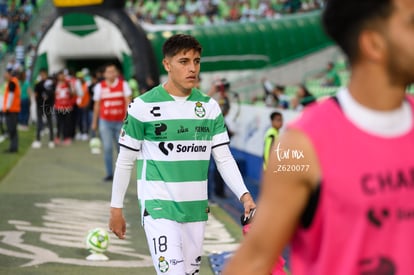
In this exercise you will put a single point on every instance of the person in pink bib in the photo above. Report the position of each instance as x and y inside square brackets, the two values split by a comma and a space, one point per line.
[340, 182]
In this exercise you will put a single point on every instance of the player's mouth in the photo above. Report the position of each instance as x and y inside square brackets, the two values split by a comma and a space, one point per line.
[191, 78]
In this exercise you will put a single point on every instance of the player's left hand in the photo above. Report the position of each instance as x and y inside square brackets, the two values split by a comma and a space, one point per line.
[248, 203]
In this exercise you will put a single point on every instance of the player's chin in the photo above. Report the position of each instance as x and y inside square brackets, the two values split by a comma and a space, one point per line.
[190, 83]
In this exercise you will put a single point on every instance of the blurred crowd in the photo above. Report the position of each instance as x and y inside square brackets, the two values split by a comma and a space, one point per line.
[14, 20]
[207, 12]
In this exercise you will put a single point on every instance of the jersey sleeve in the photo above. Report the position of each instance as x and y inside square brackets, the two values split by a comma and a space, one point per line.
[132, 133]
[127, 90]
[220, 135]
[97, 92]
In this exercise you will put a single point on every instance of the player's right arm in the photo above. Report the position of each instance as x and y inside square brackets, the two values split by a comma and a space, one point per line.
[124, 165]
[130, 140]
[284, 196]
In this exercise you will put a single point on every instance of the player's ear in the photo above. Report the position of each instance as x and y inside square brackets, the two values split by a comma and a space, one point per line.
[166, 64]
[372, 45]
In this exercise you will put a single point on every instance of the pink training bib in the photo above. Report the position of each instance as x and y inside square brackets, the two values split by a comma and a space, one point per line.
[364, 219]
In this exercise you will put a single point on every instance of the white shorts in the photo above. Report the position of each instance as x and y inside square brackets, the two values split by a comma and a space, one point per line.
[176, 248]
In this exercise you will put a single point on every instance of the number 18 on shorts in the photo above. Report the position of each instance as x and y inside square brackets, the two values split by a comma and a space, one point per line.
[176, 248]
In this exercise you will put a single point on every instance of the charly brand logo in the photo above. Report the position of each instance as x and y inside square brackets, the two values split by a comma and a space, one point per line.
[199, 109]
[155, 111]
[286, 154]
[377, 218]
[377, 266]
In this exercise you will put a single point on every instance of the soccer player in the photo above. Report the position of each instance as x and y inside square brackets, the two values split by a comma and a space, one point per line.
[111, 97]
[272, 134]
[340, 186]
[172, 130]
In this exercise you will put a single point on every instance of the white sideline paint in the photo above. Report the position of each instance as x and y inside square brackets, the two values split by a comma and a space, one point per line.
[66, 223]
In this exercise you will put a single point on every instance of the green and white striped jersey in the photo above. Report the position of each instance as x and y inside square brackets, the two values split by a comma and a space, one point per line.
[175, 139]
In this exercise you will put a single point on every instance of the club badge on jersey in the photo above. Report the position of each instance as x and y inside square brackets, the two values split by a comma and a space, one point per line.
[199, 109]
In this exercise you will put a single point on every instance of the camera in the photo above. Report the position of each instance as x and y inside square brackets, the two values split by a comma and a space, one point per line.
[222, 84]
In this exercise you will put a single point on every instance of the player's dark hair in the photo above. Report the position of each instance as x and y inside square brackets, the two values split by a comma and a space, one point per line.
[344, 20]
[275, 114]
[43, 70]
[109, 64]
[179, 42]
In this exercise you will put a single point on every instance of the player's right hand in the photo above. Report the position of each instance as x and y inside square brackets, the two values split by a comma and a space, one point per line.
[117, 222]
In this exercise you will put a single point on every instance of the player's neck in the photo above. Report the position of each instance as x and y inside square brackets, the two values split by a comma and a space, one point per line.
[176, 91]
[375, 91]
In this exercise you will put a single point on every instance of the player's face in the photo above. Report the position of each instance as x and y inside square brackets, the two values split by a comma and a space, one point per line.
[111, 73]
[277, 122]
[183, 69]
[399, 37]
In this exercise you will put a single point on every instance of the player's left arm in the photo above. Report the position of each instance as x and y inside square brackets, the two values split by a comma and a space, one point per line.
[231, 175]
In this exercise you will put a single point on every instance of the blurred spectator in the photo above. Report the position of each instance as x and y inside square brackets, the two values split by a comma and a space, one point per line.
[332, 77]
[82, 102]
[234, 14]
[26, 14]
[272, 134]
[13, 65]
[64, 108]
[2, 118]
[216, 11]
[4, 27]
[32, 2]
[30, 55]
[11, 109]
[19, 53]
[303, 98]
[25, 95]
[274, 95]
[95, 79]
[3, 7]
[44, 94]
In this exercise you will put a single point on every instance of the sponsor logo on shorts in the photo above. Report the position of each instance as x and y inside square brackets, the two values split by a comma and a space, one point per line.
[176, 262]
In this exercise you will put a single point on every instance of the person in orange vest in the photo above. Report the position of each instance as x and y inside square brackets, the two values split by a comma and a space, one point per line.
[11, 108]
